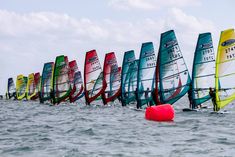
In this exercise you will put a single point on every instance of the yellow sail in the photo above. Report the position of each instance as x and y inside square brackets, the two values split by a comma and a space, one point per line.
[30, 90]
[21, 83]
[225, 69]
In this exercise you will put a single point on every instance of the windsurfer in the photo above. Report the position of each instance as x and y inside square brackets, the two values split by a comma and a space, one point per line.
[212, 94]
[119, 98]
[136, 98]
[40, 97]
[190, 96]
[52, 96]
[146, 95]
[14, 95]
[153, 97]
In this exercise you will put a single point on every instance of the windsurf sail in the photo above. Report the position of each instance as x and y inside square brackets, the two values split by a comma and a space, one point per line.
[61, 82]
[146, 72]
[11, 89]
[174, 77]
[75, 77]
[225, 70]
[203, 73]
[98, 84]
[132, 82]
[113, 84]
[30, 90]
[21, 84]
[129, 57]
[37, 82]
[93, 77]
[46, 82]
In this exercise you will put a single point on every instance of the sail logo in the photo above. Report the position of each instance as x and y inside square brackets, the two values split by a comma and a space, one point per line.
[111, 61]
[206, 45]
[228, 42]
[130, 59]
[170, 43]
[11, 81]
[114, 68]
[92, 59]
[151, 58]
[61, 64]
[96, 68]
[148, 53]
[48, 68]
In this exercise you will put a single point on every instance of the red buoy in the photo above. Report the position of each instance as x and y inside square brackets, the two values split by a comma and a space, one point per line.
[163, 112]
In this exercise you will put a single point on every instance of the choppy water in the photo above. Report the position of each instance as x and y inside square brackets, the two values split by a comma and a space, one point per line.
[31, 129]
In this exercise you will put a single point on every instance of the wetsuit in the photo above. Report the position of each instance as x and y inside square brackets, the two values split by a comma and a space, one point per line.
[212, 95]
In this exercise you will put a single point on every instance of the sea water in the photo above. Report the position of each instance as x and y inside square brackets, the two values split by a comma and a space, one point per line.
[31, 129]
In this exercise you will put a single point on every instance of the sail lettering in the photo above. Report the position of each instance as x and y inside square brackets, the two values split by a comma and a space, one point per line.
[208, 55]
[174, 53]
[230, 52]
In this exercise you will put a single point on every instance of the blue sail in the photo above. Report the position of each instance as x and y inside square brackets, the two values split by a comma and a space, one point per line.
[173, 73]
[203, 72]
[131, 95]
[11, 89]
[146, 75]
[129, 58]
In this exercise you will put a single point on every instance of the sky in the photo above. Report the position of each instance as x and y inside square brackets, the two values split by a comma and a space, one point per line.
[33, 32]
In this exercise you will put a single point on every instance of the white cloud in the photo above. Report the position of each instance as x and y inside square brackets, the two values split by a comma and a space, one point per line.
[151, 4]
[29, 40]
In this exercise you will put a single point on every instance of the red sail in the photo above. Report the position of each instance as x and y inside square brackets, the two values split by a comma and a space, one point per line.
[37, 81]
[92, 73]
[111, 68]
[77, 85]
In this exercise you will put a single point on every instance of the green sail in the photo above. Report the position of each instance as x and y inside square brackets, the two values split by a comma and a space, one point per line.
[129, 58]
[203, 73]
[146, 75]
[173, 73]
[61, 84]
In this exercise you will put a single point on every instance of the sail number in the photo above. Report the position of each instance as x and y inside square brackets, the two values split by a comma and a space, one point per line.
[230, 54]
[174, 52]
[208, 55]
